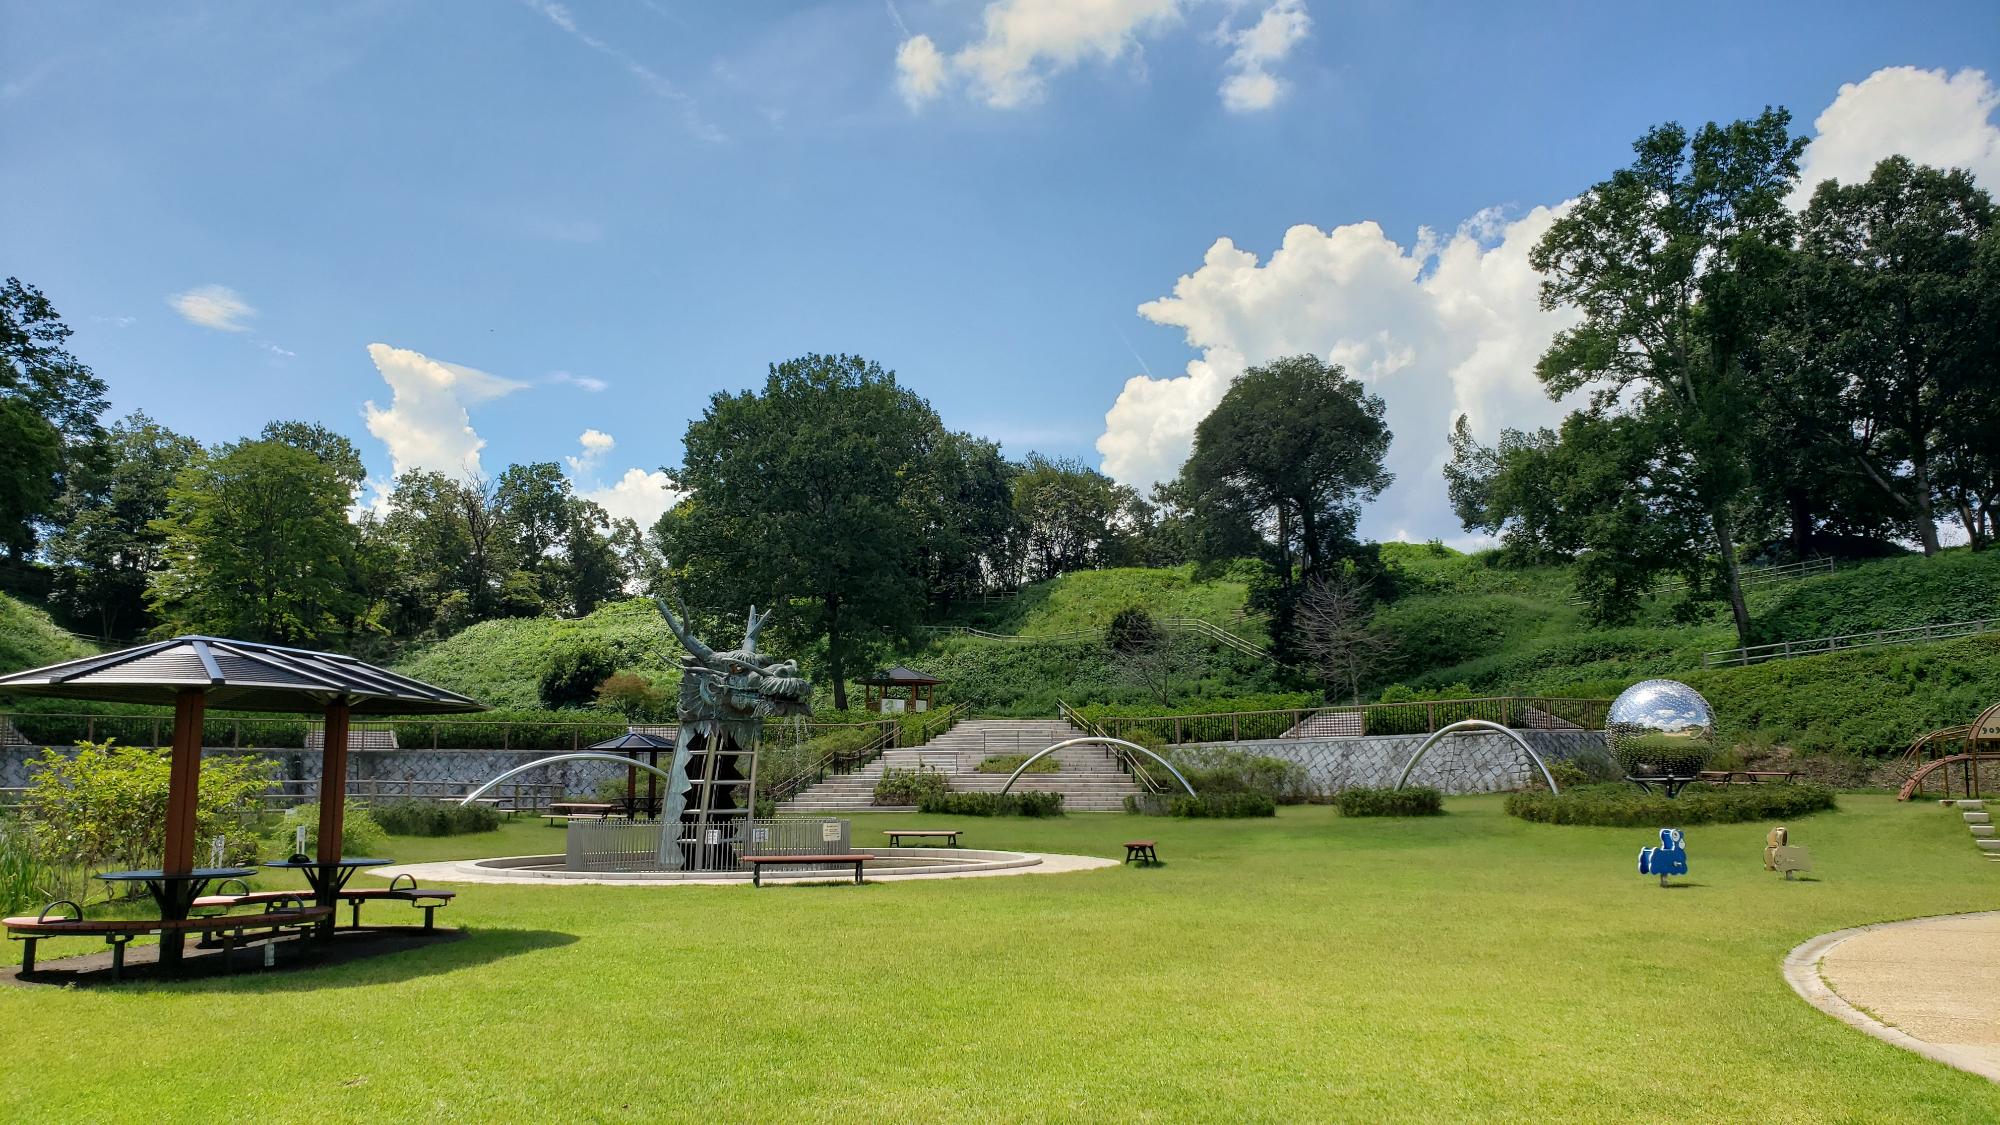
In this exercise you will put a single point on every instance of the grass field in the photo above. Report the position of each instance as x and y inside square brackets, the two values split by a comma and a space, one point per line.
[1468, 967]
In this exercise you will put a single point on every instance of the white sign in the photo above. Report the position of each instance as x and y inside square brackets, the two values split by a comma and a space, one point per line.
[760, 835]
[715, 835]
[830, 830]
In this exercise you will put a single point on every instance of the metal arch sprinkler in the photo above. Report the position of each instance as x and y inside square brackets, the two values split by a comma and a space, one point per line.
[1462, 727]
[1100, 740]
[579, 755]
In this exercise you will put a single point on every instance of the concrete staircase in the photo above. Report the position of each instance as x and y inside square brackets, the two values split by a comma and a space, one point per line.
[1979, 822]
[1090, 780]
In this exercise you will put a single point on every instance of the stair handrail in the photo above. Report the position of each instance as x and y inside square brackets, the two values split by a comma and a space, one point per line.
[827, 764]
[1123, 758]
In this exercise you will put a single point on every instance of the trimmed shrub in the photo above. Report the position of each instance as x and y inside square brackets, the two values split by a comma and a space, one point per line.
[1222, 805]
[1008, 763]
[1221, 770]
[359, 833]
[1625, 806]
[1031, 803]
[433, 818]
[572, 675]
[910, 787]
[1419, 800]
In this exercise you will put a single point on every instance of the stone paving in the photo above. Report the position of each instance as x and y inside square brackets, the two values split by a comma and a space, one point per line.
[1929, 985]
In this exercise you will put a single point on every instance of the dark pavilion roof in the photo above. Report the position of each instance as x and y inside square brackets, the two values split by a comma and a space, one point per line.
[899, 676]
[634, 740]
[238, 676]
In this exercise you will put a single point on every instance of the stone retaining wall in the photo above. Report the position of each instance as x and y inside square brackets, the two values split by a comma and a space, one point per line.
[1468, 763]
[387, 768]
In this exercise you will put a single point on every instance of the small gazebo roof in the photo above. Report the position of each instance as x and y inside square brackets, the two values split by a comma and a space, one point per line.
[635, 740]
[899, 676]
[238, 676]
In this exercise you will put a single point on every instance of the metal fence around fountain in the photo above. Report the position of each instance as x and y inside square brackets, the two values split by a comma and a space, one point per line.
[634, 845]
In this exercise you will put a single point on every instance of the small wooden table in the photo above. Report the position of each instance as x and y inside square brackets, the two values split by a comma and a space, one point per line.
[896, 835]
[1141, 850]
[759, 862]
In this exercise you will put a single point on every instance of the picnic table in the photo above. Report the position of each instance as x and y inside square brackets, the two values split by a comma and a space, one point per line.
[896, 835]
[174, 893]
[326, 879]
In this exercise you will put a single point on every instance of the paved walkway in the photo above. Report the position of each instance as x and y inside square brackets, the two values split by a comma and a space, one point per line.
[1929, 985]
[461, 871]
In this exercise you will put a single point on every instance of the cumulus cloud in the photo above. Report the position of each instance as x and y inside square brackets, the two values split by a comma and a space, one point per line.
[639, 496]
[213, 306]
[1436, 328]
[1451, 325]
[1926, 115]
[1022, 43]
[596, 445]
[920, 70]
[1249, 84]
[428, 424]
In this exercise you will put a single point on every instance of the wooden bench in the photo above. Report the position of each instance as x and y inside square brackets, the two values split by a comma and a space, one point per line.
[1747, 777]
[119, 932]
[896, 835]
[759, 862]
[426, 899]
[1141, 850]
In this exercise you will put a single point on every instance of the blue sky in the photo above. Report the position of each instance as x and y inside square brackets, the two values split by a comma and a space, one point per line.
[609, 211]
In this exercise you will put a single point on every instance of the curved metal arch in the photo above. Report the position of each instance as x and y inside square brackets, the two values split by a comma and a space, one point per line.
[1976, 733]
[1464, 725]
[1101, 740]
[593, 755]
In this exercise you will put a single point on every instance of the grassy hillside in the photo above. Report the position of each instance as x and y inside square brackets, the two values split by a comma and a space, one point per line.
[499, 663]
[29, 639]
[1088, 600]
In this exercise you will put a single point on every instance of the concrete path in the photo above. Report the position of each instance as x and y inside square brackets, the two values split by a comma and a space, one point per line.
[1929, 985]
[461, 871]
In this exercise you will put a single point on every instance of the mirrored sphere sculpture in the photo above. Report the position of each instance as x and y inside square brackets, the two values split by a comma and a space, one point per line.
[1661, 728]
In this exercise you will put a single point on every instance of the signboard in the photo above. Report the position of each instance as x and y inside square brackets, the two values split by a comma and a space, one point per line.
[715, 835]
[830, 831]
[760, 835]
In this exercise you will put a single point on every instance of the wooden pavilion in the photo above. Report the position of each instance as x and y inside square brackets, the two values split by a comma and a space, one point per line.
[898, 689]
[194, 673]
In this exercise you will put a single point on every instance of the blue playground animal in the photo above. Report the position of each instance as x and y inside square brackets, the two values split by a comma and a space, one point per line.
[1670, 858]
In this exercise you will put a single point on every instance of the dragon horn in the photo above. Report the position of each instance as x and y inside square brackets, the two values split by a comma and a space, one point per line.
[681, 628]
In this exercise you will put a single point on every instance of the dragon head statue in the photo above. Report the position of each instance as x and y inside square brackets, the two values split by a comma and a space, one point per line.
[737, 689]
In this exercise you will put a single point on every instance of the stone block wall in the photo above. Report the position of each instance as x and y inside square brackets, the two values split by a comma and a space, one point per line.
[385, 769]
[1467, 763]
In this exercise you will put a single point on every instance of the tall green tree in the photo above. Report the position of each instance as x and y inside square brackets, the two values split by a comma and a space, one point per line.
[451, 555]
[1674, 264]
[1294, 449]
[964, 504]
[49, 406]
[258, 546]
[801, 492]
[334, 449]
[1883, 342]
[107, 544]
[1066, 515]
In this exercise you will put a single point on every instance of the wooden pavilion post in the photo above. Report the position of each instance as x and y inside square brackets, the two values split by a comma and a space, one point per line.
[333, 783]
[183, 782]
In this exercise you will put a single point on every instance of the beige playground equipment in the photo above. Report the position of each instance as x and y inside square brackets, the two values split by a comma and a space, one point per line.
[1959, 759]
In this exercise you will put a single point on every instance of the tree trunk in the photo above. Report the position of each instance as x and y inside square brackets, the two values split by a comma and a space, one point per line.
[836, 658]
[1726, 545]
[1800, 504]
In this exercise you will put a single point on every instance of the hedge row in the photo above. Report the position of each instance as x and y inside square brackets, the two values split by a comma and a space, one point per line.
[1419, 800]
[1030, 803]
[1625, 806]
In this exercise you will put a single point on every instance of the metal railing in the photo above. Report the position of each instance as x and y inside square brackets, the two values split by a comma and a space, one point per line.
[634, 845]
[832, 762]
[1820, 646]
[939, 722]
[1124, 759]
[1352, 720]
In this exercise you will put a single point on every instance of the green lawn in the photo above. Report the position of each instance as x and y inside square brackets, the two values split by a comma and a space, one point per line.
[1469, 967]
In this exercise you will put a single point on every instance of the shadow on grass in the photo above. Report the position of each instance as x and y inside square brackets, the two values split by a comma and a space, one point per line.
[387, 955]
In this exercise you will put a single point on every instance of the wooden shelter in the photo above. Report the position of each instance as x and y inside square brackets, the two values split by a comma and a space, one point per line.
[906, 689]
[632, 744]
[191, 674]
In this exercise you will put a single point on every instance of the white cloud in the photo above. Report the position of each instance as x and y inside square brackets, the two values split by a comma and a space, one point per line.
[1925, 115]
[428, 424]
[1250, 85]
[1024, 42]
[213, 306]
[581, 382]
[596, 445]
[1436, 328]
[639, 496]
[920, 70]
